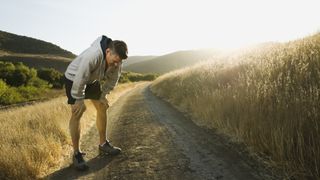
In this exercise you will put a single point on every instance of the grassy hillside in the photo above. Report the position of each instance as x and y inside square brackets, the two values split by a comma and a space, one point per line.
[33, 52]
[21, 44]
[171, 61]
[136, 59]
[38, 61]
[270, 100]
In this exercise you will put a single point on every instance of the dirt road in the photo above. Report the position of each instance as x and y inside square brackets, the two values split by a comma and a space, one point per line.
[158, 142]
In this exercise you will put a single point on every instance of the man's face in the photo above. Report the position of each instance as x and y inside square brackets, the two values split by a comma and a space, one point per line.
[112, 58]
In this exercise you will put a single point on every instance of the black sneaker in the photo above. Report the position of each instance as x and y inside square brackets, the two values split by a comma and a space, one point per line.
[78, 161]
[107, 148]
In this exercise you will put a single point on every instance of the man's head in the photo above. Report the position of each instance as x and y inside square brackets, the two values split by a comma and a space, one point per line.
[116, 52]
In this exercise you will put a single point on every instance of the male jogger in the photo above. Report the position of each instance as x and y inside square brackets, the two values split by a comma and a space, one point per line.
[83, 79]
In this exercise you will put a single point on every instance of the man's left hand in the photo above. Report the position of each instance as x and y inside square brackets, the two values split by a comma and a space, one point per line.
[104, 101]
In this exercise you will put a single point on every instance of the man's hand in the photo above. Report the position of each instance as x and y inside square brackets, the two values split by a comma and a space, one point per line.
[78, 106]
[104, 101]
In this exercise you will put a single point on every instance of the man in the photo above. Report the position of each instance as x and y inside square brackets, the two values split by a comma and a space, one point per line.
[102, 60]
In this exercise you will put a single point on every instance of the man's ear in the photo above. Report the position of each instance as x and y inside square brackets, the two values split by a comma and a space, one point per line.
[108, 50]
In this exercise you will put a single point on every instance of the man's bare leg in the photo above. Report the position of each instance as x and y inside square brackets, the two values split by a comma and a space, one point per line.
[75, 128]
[101, 120]
[105, 147]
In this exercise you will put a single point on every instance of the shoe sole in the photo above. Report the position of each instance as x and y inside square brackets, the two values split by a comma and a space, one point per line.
[102, 153]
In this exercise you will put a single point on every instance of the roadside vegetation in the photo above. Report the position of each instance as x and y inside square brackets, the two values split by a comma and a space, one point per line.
[35, 139]
[19, 83]
[269, 100]
[135, 77]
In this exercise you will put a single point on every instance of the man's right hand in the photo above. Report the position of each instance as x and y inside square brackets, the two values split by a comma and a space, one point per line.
[78, 106]
[104, 101]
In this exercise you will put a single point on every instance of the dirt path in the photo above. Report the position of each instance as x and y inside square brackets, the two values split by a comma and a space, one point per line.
[158, 142]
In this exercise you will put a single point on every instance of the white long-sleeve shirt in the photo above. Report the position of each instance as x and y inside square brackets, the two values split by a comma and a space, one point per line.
[88, 67]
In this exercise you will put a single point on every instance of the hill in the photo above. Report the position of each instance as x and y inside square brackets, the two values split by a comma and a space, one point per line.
[172, 61]
[33, 52]
[136, 59]
[26, 45]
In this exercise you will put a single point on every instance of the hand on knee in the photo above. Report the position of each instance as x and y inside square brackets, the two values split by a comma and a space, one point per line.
[104, 102]
[103, 106]
[78, 107]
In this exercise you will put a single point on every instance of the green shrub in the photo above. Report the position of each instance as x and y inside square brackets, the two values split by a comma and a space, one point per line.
[134, 77]
[39, 83]
[18, 83]
[3, 87]
[30, 92]
[16, 74]
[123, 78]
[150, 77]
[10, 96]
[51, 75]
[6, 69]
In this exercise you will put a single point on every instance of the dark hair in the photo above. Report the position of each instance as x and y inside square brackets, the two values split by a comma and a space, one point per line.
[120, 48]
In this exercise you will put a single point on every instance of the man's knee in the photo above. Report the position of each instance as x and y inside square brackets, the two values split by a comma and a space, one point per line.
[78, 111]
[102, 107]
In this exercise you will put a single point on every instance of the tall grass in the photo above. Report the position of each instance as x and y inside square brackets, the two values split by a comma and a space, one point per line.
[35, 139]
[270, 101]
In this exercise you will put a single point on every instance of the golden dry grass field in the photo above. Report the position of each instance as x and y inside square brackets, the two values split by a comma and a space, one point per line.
[35, 139]
[269, 99]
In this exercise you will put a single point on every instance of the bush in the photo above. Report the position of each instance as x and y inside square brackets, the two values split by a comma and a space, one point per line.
[150, 77]
[16, 74]
[133, 77]
[124, 78]
[10, 96]
[19, 83]
[39, 83]
[51, 75]
[3, 87]
[30, 92]
[6, 69]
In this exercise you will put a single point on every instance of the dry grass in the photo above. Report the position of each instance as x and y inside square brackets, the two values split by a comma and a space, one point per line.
[270, 101]
[35, 139]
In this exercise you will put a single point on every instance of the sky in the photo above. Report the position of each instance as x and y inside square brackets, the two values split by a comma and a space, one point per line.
[157, 27]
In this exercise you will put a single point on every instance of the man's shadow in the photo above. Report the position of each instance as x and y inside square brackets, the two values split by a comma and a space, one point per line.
[95, 164]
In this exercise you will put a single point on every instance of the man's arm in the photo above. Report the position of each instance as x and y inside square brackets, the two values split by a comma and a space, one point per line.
[112, 78]
[87, 64]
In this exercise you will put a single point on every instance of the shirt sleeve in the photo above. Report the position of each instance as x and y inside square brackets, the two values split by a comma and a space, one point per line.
[112, 77]
[87, 64]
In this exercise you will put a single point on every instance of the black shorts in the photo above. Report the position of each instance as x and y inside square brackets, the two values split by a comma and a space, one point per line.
[92, 91]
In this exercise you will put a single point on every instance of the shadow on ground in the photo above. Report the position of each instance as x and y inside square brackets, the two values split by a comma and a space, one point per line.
[95, 164]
